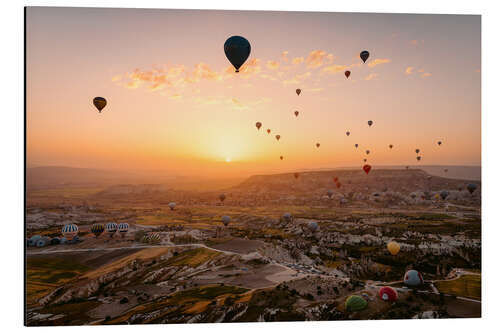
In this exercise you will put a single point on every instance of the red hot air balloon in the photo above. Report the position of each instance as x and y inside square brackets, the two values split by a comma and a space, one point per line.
[278, 137]
[296, 113]
[268, 131]
[388, 294]
[298, 91]
[367, 168]
[347, 74]
[258, 125]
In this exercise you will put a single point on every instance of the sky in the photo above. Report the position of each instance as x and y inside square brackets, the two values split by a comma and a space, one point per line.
[176, 106]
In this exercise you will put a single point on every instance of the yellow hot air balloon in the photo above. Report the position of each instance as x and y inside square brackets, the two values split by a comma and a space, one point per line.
[393, 248]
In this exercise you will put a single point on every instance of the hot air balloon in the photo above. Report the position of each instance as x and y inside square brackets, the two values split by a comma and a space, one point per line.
[393, 248]
[445, 170]
[370, 122]
[367, 152]
[444, 194]
[413, 278]
[407, 167]
[225, 220]
[100, 103]
[417, 150]
[347, 74]
[111, 228]
[55, 241]
[287, 217]
[439, 143]
[298, 91]
[460, 189]
[347, 133]
[388, 294]
[172, 205]
[123, 228]
[237, 50]
[313, 226]
[258, 125]
[296, 175]
[33, 239]
[153, 238]
[390, 146]
[296, 113]
[336, 179]
[278, 137]
[268, 131]
[419, 158]
[97, 229]
[364, 56]
[364, 160]
[222, 197]
[317, 145]
[356, 145]
[367, 168]
[281, 158]
[471, 188]
[69, 231]
[338, 184]
[355, 303]
[329, 193]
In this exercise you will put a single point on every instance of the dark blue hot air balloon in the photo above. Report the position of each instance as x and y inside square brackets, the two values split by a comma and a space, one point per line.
[237, 50]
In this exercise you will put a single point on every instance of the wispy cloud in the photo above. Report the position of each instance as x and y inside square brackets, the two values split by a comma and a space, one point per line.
[335, 68]
[298, 60]
[273, 64]
[318, 58]
[377, 62]
[425, 75]
[371, 76]
[409, 70]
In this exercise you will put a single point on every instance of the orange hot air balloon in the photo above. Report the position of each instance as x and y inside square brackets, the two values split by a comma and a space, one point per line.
[317, 145]
[367, 168]
[296, 175]
[347, 74]
[296, 113]
[268, 131]
[278, 137]
[298, 91]
[393, 248]
[258, 125]
[281, 158]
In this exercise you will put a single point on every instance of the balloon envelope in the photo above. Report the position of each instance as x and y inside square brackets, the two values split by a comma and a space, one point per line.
[364, 56]
[413, 278]
[393, 248]
[237, 50]
[296, 113]
[388, 294]
[355, 303]
[258, 125]
[347, 74]
[298, 91]
[367, 168]
[471, 187]
[225, 220]
[100, 103]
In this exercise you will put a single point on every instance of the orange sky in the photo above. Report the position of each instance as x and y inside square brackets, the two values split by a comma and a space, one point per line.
[175, 105]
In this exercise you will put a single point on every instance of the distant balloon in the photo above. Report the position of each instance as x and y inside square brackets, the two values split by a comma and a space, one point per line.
[100, 103]
[296, 113]
[69, 231]
[225, 220]
[123, 228]
[444, 195]
[313, 226]
[356, 145]
[439, 143]
[393, 248]
[419, 158]
[370, 122]
[268, 131]
[111, 228]
[281, 158]
[258, 125]
[364, 160]
[296, 175]
[471, 188]
[317, 145]
[172, 205]
[347, 74]
[367, 152]
[287, 217]
[329, 193]
[347, 133]
[445, 170]
[367, 168]
[417, 150]
[364, 56]
[390, 146]
[298, 91]
[413, 278]
[338, 184]
[278, 137]
[222, 197]
[336, 179]
[237, 50]
[388, 294]
[97, 229]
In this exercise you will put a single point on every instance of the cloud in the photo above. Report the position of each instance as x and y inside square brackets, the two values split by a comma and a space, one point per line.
[378, 62]
[284, 56]
[371, 76]
[317, 58]
[334, 68]
[409, 70]
[416, 42]
[116, 78]
[176, 96]
[298, 60]
[425, 75]
[273, 65]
